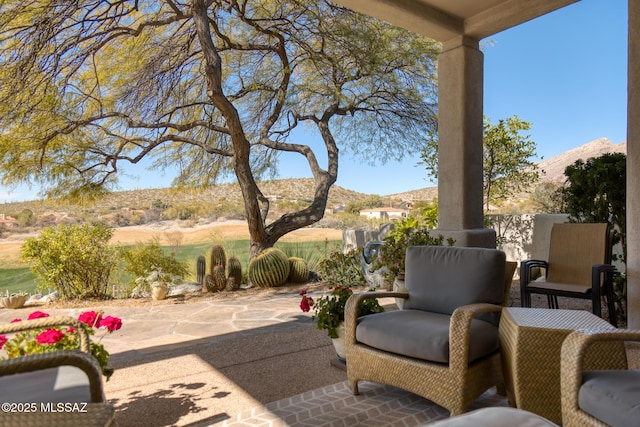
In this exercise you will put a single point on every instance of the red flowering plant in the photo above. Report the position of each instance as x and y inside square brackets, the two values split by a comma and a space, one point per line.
[328, 310]
[53, 339]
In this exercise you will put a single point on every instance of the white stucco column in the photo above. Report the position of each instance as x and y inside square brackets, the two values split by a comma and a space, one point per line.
[460, 99]
[633, 168]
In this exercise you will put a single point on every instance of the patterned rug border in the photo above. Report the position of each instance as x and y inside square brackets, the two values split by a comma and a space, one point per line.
[335, 406]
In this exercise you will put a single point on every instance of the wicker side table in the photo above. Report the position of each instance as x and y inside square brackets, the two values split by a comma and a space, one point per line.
[530, 343]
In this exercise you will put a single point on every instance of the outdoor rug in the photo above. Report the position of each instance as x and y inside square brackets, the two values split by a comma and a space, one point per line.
[336, 406]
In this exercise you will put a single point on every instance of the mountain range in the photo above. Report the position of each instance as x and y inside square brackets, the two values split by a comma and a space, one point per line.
[554, 167]
[293, 189]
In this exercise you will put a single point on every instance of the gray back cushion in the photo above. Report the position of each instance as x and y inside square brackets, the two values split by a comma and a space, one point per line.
[442, 278]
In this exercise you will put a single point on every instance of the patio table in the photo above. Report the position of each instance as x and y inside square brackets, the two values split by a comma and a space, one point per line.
[530, 343]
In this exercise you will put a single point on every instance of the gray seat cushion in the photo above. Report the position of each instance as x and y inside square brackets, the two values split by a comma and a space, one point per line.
[611, 396]
[61, 384]
[440, 279]
[422, 335]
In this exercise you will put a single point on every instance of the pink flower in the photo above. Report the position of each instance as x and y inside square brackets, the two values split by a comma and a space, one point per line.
[3, 341]
[90, 318]
[111, 323]
[303, 292]
[306, 304]
[50, 336]
[16, 320]
[37, 315]
[71, 330]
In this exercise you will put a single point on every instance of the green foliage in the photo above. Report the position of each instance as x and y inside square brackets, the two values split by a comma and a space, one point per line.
[76, 260]
[596, 191]
[329, 310]
[268, 269]
[408, 232]
[426, 213]
[507, 166]
[26, 218]
[156, 277]
[298, 270]
[145, 257]
[342, 269]
[547, 198]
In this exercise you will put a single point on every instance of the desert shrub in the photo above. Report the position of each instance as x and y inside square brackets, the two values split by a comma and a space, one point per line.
[181, 212]
[26, 218]
[145, 257]
[75, 260]
[342, 269]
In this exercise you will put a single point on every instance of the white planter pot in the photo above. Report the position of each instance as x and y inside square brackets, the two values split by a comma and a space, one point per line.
[339, 343]
[398, 286]
[159, 292]
[14, 300]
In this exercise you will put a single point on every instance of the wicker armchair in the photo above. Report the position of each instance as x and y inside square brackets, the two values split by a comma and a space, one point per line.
[579, 266]
[435, 346]
[598, 398]
[42, 381]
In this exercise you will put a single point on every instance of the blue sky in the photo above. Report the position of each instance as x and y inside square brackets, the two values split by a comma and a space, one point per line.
[564, 72]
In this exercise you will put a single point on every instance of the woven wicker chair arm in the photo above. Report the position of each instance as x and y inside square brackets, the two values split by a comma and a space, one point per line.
[53, 359]
[50, 322]
[351, 310]
[459, 331]
[572, 359]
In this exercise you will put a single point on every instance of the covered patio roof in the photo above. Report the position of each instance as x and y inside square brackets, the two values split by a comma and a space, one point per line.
[445, 19]
[460, 25]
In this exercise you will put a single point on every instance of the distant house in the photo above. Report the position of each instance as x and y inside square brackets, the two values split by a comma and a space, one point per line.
[8, 221]
[384, 213]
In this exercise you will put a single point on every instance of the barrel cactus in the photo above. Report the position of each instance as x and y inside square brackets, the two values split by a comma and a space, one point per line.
[200, 269]
[268, 269]
[209, 283]
[232, 285]
[298, 270]
[219, 277]
[234, 271]
[217, 257]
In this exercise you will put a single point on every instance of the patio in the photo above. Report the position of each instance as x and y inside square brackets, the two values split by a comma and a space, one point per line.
[252, 360]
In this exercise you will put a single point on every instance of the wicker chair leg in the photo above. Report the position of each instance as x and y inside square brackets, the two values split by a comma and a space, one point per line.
[501, 389]
[353, 386]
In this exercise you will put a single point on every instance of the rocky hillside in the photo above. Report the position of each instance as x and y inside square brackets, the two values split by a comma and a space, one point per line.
[555, 166]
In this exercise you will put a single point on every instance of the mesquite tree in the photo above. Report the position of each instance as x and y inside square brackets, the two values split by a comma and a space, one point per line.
[507, 163]
[212, 88]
